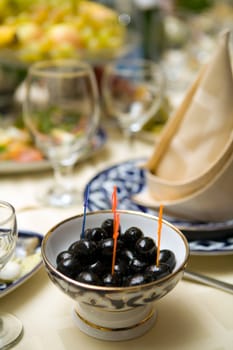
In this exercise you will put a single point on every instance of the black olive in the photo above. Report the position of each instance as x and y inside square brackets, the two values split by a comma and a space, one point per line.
[121, 268]
[106, 248]
[126, 255]
[84, 250]
[167, 257]
[69, 267]
[157, 272]
[131, 236]
[98, 267]
[64, 255]
[146, 249]
[95, 234]
[137, 265]
[107, 225]
[112, 280]
[88, 277]
[145, 244]
[136, 280]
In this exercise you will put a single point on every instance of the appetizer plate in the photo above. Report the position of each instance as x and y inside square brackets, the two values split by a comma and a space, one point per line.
[205, 238]
[13, 167]
[27, 254]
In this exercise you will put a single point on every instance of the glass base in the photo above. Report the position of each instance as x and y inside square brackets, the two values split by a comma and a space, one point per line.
[11, 330]
[60, 197]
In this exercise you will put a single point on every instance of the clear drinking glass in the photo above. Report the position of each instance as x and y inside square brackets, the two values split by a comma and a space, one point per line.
[189, 41]
[61, 111]
[10, 327]
[132, 91]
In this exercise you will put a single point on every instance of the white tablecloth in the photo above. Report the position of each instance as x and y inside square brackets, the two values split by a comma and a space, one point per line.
[191, 317]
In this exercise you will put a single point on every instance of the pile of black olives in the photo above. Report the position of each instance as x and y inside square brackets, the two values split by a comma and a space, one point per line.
[89, 260]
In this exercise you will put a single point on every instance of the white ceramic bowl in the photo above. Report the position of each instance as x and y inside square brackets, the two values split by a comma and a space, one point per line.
[114, 313]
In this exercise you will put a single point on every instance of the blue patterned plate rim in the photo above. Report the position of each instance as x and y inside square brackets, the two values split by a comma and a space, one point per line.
[23, 234]
[130, 179]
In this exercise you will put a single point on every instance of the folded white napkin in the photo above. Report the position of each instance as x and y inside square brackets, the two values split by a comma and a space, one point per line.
[197, 141]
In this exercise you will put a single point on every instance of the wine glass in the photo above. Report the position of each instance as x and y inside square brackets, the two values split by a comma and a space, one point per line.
[61, 111]
[10, 327]
[189, 41]
[132, 92]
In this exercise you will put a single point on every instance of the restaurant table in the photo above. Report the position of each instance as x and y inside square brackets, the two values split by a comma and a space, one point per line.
[192, 316]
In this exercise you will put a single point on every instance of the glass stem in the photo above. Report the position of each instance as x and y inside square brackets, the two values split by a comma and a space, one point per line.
[1, 325]
[63, 176]
[129, 135]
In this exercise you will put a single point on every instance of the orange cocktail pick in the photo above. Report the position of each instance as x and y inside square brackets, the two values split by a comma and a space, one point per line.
[115, 236]
[116, 222]
[114, 202]
[159, 233]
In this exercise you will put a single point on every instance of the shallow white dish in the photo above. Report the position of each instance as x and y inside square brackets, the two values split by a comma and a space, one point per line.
[6, 288]
[207, 238]
[14, 167]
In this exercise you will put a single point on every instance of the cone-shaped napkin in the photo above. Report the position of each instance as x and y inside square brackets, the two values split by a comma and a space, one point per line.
[191, 165]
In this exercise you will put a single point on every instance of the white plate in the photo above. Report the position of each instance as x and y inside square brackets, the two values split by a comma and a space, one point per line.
[19, 252]
[13, 167]
[207, 238]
